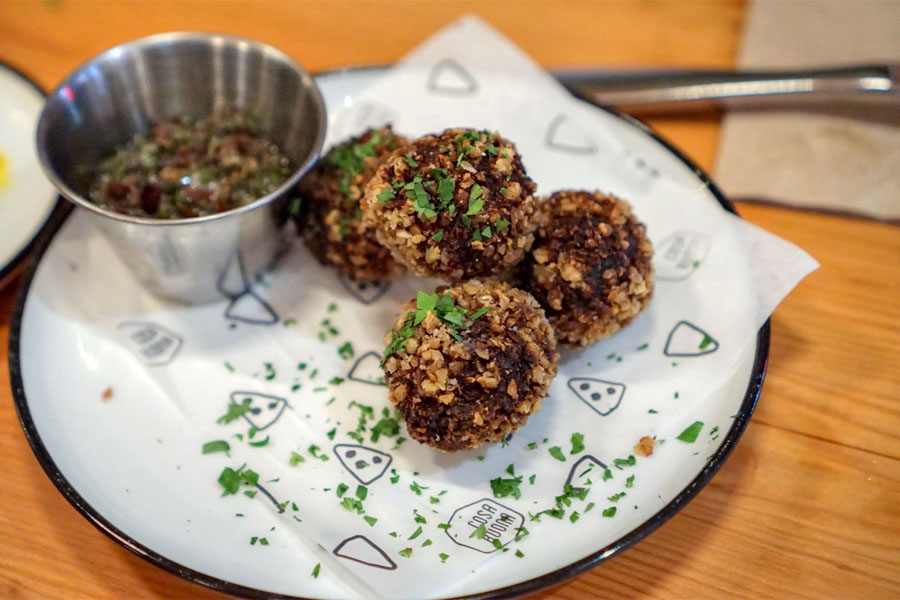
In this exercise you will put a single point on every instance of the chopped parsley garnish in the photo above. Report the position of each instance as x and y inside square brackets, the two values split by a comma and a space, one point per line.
[476, 201]
[443, 308]
[706, 342]
[557, 453]
[388, 426]
[609, 512]
[235, 411]
[351, 503]
[417, 488]
[341, 489]
[690, 434]
[479, 532]
[270, 371]
[616, 497]
[349, 159]
[231, 480]
[216, 446]
[643, 346]
[260, 443]
[295, 459]
[346, 351]
[406, 552]
[228, 366]
[507, 487]
[370, 520]
[500, 225]
[532, 478]
[361, 492]
[574, 516]
[416, 533]
[438, 236]
[519, 553]
[411, 161]
[589, 506]
[625, 462]
[418, 518]
[443, 557]
[394, 476]
[629, 482]
[652, 411]
[316, 570]
[531, 446]
[577, 443]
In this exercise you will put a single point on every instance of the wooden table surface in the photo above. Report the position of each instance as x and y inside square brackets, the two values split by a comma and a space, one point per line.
[808, 505]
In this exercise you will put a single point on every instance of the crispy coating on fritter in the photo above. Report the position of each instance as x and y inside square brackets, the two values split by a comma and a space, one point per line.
[590, 267]
[455, 206]
[331, 224]
[465, 375]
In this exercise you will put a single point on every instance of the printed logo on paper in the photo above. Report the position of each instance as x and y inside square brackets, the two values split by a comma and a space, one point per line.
[151, 342]
[680, 254]
[500, 523]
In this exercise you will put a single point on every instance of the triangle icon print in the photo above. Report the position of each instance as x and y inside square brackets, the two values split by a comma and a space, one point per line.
[361, 549]
[687, 339]
[367, 369]
[601, 395]
[367, 293]
[564, 135]
[365, 464]
[250, 308]
[449, 78]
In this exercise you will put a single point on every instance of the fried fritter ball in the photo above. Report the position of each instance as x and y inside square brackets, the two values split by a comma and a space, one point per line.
[454, 206]
[590, 266]
[331, 224]
[469, 364]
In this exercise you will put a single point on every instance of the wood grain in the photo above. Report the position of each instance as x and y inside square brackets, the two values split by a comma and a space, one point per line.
[806, 507]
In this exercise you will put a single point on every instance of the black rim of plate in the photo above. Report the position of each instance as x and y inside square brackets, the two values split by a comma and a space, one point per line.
[17, 260]
[748, 404]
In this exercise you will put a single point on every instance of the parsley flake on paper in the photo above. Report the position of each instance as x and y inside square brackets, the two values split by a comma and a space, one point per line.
[690, 434]
[216, 446]
[557, 453]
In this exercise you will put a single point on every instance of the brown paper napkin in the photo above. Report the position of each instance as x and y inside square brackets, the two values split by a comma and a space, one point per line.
[841, 160]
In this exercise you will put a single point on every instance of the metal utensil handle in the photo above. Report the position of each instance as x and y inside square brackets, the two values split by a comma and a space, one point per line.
[673, 90]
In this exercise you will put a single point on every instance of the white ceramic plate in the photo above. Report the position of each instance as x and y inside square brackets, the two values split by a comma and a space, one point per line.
[26, 197]
[117, 392]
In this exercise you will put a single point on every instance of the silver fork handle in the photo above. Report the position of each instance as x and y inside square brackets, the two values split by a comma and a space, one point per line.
[661, 91]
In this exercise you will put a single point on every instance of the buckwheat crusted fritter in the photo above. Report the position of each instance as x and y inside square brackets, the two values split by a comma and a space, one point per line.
[332, 224]
[469, 364]
[455, 205]
[590, 265]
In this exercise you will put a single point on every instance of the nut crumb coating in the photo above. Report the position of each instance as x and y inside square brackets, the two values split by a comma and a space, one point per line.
[331, 225]
[590, 266]
[454, 206]
[456, 394]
